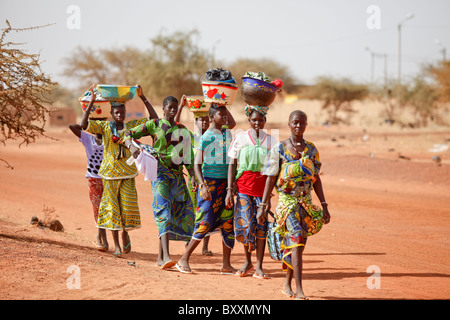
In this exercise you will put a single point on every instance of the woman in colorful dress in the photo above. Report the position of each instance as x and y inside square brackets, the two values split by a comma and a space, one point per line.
[119, 208]
[293, 166]
[211, 169]
[172, 205]
[248, 152]
[201, 124]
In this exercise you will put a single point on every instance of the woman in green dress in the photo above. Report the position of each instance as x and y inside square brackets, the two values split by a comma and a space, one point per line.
[172, 205]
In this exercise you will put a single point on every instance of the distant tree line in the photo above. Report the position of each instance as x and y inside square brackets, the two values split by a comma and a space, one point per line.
[176, 65]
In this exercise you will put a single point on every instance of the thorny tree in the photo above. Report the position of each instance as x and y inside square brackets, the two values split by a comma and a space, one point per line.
[24, 93]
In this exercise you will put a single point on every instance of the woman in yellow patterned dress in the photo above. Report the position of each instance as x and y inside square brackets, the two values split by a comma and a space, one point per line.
[119, 208]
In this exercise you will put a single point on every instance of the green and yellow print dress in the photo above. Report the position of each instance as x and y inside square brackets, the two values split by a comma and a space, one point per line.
[119, 208]
[172, 204]
[296, 216]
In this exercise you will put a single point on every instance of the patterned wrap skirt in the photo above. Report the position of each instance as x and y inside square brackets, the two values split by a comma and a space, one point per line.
[212, 214]
[296, 221]
[172, 205]
[246, 227]
[119, 208]
[95, 194]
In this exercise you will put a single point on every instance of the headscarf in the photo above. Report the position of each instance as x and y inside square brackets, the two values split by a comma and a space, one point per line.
[261, 109]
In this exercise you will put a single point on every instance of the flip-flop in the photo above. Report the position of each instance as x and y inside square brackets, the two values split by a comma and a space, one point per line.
[99, 247]
[168, 264]
[208, 253]
[261, 276]
[127, 248]
[289, 293]
[182, 270]
[229, 273]
[117, 255]
[246, 272]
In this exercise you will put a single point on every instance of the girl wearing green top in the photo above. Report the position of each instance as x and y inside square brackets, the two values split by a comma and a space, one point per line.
[248, 151]
[172, 205]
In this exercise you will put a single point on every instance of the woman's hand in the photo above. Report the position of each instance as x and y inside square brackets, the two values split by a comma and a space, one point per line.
[261, 215]
[229, 198]
[139, 91]
[135, 151]
[326, 215]
[182, 102]
[93, 94]
[194, 184]
[204, 192]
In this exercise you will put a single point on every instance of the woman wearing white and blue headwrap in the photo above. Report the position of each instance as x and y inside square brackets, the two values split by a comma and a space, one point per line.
[247, 153]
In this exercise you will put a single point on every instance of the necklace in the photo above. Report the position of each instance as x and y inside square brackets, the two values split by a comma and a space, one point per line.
[296, 145]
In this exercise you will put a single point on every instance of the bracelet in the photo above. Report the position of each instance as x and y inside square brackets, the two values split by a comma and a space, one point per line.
[324, 203]
[263, 204]
[230, 188]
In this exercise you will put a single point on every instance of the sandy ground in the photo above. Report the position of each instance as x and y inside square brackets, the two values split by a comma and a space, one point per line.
[388, 237]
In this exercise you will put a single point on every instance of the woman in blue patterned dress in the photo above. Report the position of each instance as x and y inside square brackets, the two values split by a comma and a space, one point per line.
[211, 169]
[172, 205]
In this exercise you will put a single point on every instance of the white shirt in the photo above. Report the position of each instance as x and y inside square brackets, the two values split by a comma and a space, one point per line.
[94, 154]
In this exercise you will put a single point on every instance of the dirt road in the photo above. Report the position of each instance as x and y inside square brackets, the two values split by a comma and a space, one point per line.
[388, 237]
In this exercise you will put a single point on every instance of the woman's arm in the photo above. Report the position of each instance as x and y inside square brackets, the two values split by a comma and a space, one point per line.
[151, 111]
[261, 215]
[137, 132]
[85, 117]
[198, 172]
[180, 108]
[320, 194]
[231, 122]
[232, 168]
[76, 129]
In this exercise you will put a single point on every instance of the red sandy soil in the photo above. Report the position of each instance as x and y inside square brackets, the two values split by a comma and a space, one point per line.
[386, 211]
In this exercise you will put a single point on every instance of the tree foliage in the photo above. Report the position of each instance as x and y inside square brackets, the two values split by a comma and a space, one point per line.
[24, 93]
[175, 65]
[441, 74]
[103, 66]
[420, 96]
[337, 95]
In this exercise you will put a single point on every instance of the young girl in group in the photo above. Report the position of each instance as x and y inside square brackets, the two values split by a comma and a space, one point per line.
[201, 124]
[119, 208]
[93, 146]
[248, 152]
[172, 205]
[293, 166]
[212, 177]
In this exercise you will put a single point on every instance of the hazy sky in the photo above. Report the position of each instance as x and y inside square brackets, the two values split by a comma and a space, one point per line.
[312, 38]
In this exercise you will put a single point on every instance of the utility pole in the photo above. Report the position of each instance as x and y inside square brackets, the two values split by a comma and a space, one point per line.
[399, 30]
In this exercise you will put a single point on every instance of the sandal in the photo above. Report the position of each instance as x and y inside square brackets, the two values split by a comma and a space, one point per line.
[127, 248]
